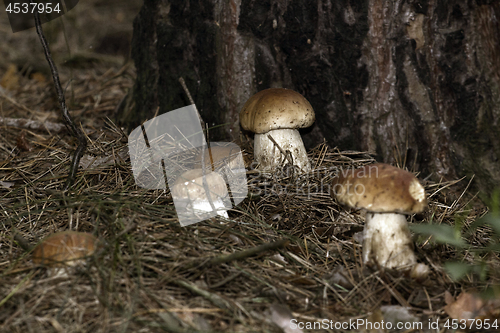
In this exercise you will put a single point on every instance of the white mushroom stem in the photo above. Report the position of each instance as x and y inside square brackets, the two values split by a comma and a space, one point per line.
[193, 199]
[269, 157]
[204, 205]
[387, 241]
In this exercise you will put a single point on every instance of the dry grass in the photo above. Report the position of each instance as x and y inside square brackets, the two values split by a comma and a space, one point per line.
[152, 275]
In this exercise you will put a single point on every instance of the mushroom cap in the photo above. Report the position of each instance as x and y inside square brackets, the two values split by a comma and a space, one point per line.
[189, 185]
[380, 188]
[64, 248]
[276, 108]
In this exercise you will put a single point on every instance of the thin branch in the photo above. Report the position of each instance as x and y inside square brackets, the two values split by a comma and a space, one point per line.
[204, 178]
[215, 299]
[75, 130]
[248, 253]
[287, 156]
[191, 100]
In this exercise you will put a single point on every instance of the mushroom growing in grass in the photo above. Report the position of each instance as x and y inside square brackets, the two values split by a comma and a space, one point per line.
[66, 248]
[387, 193]
[279, 113]
[194, 199]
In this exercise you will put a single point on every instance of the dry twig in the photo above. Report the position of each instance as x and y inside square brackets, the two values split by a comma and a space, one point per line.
[75, 130]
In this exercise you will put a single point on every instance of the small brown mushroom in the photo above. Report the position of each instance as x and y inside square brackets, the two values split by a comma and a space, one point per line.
[66, 248]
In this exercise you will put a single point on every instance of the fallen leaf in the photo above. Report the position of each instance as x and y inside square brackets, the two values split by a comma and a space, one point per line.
[448, 297]
[464, 307]
[378, 320]
[236, 239]
[341, 277]
[88, 161]
[39, 77]
[23, 144]
[281, 316]
[10, 80]
[279, 259]
[472, 306]
[6, 184]
[373, 324]
[398, 314]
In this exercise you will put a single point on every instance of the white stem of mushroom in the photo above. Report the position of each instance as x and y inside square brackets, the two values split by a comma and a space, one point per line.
[269, 157]
[204, 206]
[387, 240]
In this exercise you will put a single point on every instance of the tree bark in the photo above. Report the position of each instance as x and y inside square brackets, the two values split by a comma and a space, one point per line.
[416, 82]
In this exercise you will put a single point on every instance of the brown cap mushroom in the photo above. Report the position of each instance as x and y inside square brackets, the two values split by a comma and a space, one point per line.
[193, 203]
[387, 193]
[277, 112]
[380, 188]
[64, 248]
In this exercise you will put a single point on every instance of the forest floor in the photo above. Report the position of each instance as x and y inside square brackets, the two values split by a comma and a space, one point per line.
[149, 273]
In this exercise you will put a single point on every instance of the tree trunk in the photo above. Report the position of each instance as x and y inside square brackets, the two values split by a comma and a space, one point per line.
[415, 82]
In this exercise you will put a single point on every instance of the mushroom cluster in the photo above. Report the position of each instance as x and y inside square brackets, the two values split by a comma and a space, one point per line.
[278, 113]
[387, 193]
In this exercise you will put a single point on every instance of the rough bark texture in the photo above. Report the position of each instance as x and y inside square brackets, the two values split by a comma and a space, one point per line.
[415, 80]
